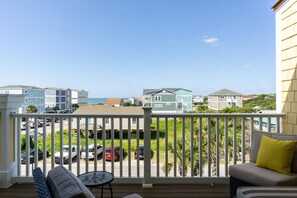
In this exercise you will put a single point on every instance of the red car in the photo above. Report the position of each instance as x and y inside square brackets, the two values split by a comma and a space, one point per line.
[116, 153]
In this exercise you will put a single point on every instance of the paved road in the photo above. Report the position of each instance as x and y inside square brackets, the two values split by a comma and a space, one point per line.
[125, 169]
[83, 165]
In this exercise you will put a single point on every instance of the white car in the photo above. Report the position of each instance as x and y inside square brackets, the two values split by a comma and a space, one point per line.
[32, 133]
[65, 154]
[91, 151]
[23, 126]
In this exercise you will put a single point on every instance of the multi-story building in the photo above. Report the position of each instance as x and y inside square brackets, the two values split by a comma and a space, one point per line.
[168, 100]
[135, 101]
[224, 98]
[197, 100]
[32, 96]
[286, 62]
[57, 99]
[79, 97]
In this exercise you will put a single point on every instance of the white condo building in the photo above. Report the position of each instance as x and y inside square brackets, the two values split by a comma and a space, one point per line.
[57, 98]
[79, 97]
[32, 96]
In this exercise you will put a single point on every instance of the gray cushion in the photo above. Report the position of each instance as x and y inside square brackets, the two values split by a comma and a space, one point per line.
[250, 173]
[63, 183]
[85, 190]
[135, 195]
[256, 140]
[40, 184]
[266, 192]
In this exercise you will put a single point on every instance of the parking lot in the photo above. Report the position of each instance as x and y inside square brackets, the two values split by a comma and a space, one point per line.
[83, 164]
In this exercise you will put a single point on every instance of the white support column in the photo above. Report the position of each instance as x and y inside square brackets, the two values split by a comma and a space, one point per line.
[146, 182]
[278, 62]
[8, 168]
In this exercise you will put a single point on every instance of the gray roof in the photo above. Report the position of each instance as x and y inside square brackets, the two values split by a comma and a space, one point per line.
[172, 90]
[225, 92]
[19, 87]
[149, 91]
[108, 109]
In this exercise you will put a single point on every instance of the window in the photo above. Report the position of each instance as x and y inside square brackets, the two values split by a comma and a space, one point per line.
[107, 121]
[157, 98]
[158, 105]
[134, 121]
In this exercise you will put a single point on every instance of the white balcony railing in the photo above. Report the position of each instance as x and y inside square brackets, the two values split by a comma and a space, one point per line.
[188, 147]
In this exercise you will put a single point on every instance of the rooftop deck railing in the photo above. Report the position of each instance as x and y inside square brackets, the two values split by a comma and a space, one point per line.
[177, 147]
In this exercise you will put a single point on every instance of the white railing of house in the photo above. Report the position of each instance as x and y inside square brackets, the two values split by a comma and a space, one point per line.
[197, 147]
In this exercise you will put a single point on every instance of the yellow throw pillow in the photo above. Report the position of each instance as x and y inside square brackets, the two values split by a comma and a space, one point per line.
[276, 154]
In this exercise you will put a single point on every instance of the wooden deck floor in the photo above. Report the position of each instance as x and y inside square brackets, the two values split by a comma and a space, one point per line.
[121, 190]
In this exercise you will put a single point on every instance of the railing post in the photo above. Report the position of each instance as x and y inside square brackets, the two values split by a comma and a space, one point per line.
[146, 182]
[8, 161]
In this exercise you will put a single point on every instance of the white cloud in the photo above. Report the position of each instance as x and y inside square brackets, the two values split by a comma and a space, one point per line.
[213, 41]
[246, 66]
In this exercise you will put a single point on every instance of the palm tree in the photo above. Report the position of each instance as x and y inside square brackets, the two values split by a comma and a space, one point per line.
[179, 156]
[31, 109]
[196, 142]
[221, 140]
[75, 106]
[188, 150]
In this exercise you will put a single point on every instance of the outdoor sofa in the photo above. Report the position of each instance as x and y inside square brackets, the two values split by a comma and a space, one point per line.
[59, 183]
[62, 183]
[249, 174]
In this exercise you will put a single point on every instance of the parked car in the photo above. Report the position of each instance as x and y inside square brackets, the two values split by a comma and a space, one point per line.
[65, 154]
[40, 122]
[139, 152]
[32, 133]
[31, 155]
[32, 123]
[23, 126]
[116, 154]
[91, 150]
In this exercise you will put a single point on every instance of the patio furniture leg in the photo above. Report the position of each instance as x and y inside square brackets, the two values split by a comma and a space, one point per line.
[110, 190]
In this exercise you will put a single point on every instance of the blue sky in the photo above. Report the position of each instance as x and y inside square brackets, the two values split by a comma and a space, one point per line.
[117, 48]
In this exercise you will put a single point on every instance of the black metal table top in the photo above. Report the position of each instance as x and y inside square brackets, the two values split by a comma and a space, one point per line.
[96, 178]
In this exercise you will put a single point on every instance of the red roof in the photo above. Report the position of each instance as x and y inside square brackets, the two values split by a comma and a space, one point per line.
[113, 101]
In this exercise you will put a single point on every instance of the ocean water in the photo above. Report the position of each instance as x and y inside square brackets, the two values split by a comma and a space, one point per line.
[96, 100]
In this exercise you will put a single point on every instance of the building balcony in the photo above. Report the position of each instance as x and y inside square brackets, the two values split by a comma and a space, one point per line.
[185, 155]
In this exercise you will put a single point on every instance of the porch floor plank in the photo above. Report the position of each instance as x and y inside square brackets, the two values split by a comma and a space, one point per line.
[26, 190]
